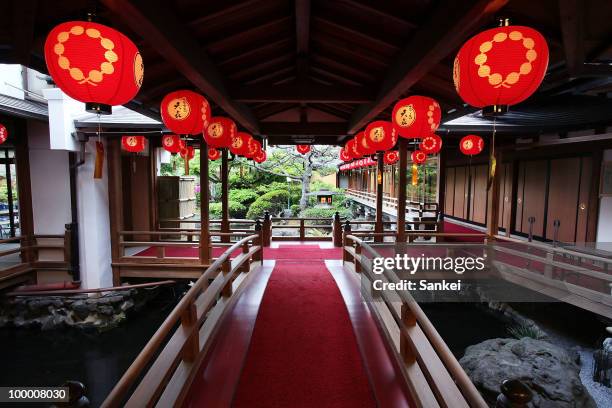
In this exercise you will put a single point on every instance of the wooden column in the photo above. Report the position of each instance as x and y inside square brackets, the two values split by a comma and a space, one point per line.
[493, 195]
[441, 190]
[224, 194]
[115, 200]
[204, 199]
[401, 192]
[378, 227]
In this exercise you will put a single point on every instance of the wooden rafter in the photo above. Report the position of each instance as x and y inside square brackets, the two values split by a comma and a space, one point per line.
[24, 14]
[303, 91]
[572, 17]
[428, 47]
[303, 129]
[158, 25]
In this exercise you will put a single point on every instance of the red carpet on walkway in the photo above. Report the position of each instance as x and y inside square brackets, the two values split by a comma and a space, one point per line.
[303, 352]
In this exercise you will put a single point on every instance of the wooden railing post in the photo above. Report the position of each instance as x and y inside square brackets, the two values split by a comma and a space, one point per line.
[189, 319]
[345, 240]
[226, 269]
[514, 394]
[302, 231]
[267, 230]
[337, 230]
[408, 320]
[357, 258]
[257, 256]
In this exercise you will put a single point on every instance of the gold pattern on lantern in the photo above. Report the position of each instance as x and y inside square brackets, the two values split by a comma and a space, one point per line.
[179, 108]
[405, 116]
[377, 134]
[237, 142]
[131, 141]
[496, 79]
[94, 76]
[215, 130]
[138, 69]
[456, 74]
[168, 141]
[467, 145]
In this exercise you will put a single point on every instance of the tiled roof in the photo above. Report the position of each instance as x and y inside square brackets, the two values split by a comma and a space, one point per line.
[23, 108]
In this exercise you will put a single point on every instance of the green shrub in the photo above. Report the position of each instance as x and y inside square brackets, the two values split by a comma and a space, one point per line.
[273, 201]
[236, 210]
[243, 196]
[324, 212]
[520, 331]
[295, 210]
[214, 211]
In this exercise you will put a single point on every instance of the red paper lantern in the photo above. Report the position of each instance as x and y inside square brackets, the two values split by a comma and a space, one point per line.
[220, 132]
[253, 148]
[3, 134]
[500, 67]
[418, 157]
[260, 157]
[239, 144]
[303, 149]
[133, 144]
[380, 136]
[213, 154]
[185, 112]
[362, 145]
[350, 148]
[391, 156]
[188, 152]
[344, 156]
[95, 64]
[471, 145]
[172, 143]
[416, 116]
[431, 144]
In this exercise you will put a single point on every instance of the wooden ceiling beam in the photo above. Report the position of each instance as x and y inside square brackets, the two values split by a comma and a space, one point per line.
[428, 47]
[303, 91]
[303, 129]
[24, 15]
[272, 109]
[572, 21]
[238, 40]
[158, 25]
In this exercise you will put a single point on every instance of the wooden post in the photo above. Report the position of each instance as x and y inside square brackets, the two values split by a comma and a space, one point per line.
[406, 350]
[189, 319]
[345, 241]
[378, 227]
[226, 268]
[302, 231]
[401, 192]
[204, 199]
[115, 198]
[224, 195]
[493, 199]
[337, 230]
[441, 192]
[357, 258]
[266, 230]
[257, 256]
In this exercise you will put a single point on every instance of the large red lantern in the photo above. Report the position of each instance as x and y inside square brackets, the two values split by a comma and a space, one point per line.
[471, 145]
[213, 154]
[3, 134]
[95, 64]
[185, 112]
[362, 145]
[302, 149]
[380, 135]
[416, 116]
[344, 156]
[239, 144]
[172, 143]
[133, 144]
[220, 132]
[418, 157]
[188, 153]
[350, 148]
[431, 144]
[500, 67]
[391, 157]
[260, 157]
[253, 148]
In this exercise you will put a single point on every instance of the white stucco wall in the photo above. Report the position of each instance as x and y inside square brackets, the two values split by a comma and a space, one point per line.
[604, 223]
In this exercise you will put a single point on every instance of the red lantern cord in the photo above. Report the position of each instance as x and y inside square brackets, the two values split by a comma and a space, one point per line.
[95, 64]
[185, 112]
[213, 154]
[416, 116]
[471, 145]
[3, 134]
[133, 144]
[431, 144]
[302, 149]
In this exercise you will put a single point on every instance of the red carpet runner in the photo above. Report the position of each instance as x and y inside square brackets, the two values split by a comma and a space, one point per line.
[303, 352]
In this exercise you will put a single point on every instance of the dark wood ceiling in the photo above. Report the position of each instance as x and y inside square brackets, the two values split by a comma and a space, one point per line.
[299, 70]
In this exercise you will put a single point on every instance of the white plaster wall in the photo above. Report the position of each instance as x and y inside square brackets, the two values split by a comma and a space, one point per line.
[50, 182]
[94, 223]
[604, 223]
[11, 80]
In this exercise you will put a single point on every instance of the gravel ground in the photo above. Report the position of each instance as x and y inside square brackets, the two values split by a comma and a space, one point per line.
[601, 394]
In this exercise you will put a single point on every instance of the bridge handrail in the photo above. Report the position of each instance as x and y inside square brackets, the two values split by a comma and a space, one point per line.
[179, 357]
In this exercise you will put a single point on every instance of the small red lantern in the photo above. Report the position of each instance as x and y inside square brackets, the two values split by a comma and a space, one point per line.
[416, 116]
[500, 67]
[418, 157]
[187, 153]
[302, 149]
[3, 134]
[213, 154]
[362, 145]
[380, 135]
[253, 148]
[95, 64]
[391, 157]
[471, 145]
[185, 112]
[239, 144]
[344, 156]
[133, 144]
[220, 132]
[350, 148]
[260, 157]
[172, 143]
[431, 144]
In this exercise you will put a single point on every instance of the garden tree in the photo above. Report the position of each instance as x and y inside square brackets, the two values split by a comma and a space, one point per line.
[286, 162]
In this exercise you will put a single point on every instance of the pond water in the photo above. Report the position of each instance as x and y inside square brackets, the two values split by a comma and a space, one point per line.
[34, 358]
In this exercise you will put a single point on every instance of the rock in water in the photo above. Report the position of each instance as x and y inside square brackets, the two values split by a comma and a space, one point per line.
[548, 370]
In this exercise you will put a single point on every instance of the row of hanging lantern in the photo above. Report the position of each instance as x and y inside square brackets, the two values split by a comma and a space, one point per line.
[101, 67]
[496, 68]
